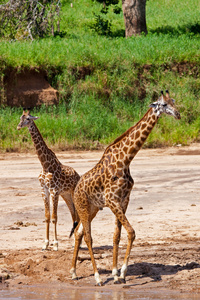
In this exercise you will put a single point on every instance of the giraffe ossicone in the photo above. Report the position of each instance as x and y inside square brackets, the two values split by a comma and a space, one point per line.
[109, 184]
[55, 178]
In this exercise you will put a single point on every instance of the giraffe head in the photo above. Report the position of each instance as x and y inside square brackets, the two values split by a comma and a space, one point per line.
[166, 105]
[25, 119]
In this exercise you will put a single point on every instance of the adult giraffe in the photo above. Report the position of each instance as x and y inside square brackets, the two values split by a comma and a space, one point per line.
[55, 178]
[109, 184]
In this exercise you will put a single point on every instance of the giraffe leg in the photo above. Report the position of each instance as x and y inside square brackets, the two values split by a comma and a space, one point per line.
[84, 227]
[46, 196]
[78, 239]
[54, 198]
[131, 237]
[88, 240]
[116, 240]
[118, 211]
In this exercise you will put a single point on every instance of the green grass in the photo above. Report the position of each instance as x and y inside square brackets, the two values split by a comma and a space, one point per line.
[174, 35]
[100, 52]
[105, 84]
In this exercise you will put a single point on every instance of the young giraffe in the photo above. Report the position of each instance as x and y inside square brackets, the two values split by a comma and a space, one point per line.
[55, 179]
[109, 184]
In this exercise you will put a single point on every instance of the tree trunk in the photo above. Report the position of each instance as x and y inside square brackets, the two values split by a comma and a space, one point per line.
[134, 17]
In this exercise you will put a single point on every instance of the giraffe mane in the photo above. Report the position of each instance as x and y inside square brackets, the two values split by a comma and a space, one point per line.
[127, 131]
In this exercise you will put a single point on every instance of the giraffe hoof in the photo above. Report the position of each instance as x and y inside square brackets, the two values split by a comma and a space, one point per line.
[73, 274]
[55, 246]
[75, 278]
[122, 280]
[117, 281]
[45, 247]
[99, 283]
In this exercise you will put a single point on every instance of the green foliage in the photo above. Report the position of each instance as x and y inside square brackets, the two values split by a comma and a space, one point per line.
[106, 83]
[90, 119]
[24, 19]
[102, 25]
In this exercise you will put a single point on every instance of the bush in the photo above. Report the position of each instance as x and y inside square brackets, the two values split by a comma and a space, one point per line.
[23, 19]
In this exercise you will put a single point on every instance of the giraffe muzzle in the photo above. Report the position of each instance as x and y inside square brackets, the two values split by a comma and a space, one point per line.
[177, 115]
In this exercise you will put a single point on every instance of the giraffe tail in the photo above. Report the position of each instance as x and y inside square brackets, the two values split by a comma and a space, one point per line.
[73, 228]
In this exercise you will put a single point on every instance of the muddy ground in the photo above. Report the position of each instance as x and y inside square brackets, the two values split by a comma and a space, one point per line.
[164, 210]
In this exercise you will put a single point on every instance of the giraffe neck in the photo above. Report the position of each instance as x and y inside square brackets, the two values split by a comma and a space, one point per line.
[125, 147]
[45, 155]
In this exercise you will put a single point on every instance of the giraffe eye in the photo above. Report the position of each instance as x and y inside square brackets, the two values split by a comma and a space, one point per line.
[165, 104]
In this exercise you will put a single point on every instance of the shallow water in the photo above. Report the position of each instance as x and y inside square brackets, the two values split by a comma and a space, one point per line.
[71, 293]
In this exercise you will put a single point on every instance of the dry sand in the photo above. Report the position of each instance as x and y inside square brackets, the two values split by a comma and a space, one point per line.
[164, 210]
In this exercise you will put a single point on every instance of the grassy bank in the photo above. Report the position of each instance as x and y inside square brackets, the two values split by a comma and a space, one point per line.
[105, 84]
[92, 122]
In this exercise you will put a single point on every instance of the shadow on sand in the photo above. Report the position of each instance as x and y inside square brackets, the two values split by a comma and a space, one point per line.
[154, 271]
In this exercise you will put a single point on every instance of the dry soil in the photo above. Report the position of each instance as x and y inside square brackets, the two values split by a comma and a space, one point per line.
[164, 210]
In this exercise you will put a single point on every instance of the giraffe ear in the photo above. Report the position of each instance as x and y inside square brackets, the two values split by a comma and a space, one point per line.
[33, 118]
[153, 104]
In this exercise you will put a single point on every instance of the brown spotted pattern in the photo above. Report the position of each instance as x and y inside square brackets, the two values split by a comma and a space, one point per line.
[109, 184]
[55, 178]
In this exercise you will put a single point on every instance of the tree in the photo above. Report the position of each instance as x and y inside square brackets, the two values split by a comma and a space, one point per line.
[134, 17]
[21, 19]
[134, 12]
